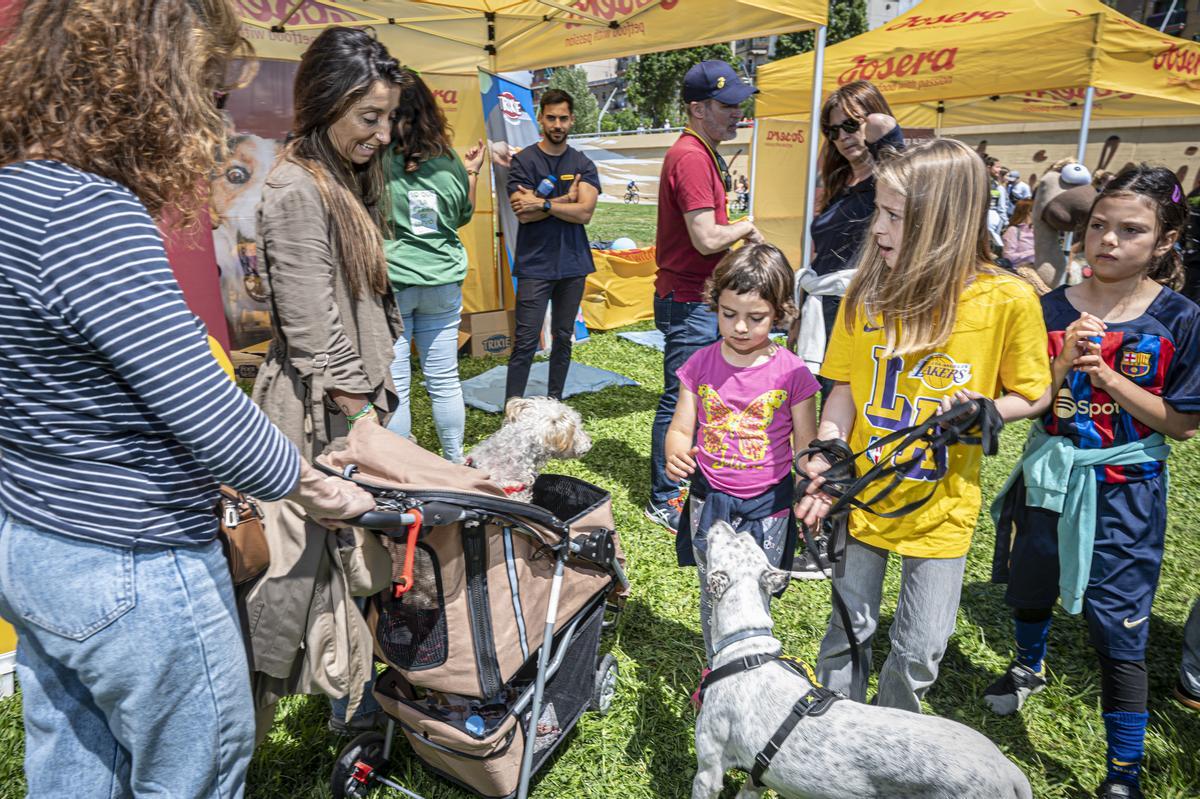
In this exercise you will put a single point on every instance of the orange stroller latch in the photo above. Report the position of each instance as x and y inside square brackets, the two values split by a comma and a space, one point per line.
[401, 586]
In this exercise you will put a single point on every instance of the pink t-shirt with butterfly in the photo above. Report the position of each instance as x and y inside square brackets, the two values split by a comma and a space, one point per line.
[744, 417]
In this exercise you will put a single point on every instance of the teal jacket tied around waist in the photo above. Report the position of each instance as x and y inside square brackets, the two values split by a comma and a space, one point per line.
[1060, 477]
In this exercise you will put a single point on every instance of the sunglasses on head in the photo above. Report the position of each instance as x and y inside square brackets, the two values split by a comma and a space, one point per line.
[850, 126]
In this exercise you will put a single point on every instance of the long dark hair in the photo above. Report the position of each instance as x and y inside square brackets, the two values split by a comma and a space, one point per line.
[857, 100]
[336, 71]
[422, 132]
[1160, 186]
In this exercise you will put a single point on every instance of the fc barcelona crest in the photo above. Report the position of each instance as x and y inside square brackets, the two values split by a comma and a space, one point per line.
[1135, 364]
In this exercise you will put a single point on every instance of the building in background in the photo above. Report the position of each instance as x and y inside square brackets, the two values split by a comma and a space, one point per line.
[880, 12]
[1183, 21]
[606, 79]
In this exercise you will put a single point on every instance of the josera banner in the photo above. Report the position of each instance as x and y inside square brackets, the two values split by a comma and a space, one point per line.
[258, 118]
[508, 114]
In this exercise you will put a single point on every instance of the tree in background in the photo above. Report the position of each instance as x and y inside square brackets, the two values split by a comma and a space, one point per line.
[656, 79]
[625, 119]
[574, 81]
[847, 19]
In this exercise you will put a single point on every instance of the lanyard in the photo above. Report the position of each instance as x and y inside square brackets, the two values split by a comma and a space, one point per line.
[718, 161]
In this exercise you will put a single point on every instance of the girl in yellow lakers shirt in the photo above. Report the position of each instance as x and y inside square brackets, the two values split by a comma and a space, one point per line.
[928, 321]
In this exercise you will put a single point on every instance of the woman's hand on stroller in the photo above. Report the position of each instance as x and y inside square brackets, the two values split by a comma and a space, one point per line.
[327, 498]
[814, 506]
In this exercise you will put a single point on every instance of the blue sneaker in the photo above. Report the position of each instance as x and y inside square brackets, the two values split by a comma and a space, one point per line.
[666, 515]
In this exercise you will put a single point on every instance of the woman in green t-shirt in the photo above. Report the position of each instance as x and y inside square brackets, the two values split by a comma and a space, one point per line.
[433, 195]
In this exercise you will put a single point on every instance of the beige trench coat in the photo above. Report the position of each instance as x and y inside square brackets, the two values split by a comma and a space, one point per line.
[306, 636]
[325, 337]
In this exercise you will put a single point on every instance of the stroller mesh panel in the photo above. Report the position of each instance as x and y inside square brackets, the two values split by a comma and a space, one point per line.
[566, 497]
[412, 628]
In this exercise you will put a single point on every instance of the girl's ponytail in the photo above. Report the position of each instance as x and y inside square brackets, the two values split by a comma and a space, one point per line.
[1160, 186]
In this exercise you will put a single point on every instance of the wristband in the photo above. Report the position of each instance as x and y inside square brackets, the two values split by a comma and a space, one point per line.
[362, 413]
[472, 172]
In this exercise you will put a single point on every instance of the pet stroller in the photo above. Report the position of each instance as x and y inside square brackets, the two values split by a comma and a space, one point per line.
[491, 629]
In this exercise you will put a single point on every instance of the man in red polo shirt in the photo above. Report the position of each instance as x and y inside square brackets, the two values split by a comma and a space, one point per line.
[693, 235]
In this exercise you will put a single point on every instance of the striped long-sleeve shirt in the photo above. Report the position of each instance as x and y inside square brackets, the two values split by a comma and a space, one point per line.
[116, 423]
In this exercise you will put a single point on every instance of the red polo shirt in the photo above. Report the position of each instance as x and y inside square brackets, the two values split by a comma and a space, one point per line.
[689, 182]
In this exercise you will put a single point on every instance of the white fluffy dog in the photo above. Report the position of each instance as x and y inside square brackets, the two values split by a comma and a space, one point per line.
[850, 751]
[535, 430]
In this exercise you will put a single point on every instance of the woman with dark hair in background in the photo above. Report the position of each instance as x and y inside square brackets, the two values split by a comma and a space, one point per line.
[320, 248]
[432, 196]
[858, 125]
[116, 423]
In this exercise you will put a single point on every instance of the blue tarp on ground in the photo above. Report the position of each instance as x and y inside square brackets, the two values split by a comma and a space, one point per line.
[647, 338]
[486, 391]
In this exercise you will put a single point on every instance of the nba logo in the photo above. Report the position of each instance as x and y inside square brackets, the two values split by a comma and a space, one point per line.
[1135, 364]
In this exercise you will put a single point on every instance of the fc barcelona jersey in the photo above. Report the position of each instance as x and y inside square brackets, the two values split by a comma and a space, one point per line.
[1159, 351]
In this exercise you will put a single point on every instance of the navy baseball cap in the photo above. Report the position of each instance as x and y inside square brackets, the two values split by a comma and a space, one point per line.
[715, 80]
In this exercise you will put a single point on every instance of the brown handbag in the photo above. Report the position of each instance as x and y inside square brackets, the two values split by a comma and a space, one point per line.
[242, 535]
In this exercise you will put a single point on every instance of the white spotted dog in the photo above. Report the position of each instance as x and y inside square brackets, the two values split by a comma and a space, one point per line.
[535, 430]
[834, 748]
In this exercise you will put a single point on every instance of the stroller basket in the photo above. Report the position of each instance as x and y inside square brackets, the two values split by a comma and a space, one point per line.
[489, 764]
[491, 632]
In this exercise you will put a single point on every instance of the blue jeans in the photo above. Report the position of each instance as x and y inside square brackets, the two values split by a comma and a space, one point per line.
[431, 317]
[686, 326]
[132, 668]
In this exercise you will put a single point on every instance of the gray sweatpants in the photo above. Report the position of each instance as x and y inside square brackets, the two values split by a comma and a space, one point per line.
[774, 537]
[924, 621]
[1189, 667]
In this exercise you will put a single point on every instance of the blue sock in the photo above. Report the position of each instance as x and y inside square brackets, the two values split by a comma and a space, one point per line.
[1031, 642]
[1126, 734]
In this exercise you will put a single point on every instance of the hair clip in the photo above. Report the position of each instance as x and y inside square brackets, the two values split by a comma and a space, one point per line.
[1177, 194]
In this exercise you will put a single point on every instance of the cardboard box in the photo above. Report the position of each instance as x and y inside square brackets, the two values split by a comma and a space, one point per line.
[490, 332]
[247, 362]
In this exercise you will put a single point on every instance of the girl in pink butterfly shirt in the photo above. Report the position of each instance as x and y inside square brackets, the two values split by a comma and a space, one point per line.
[744, 403]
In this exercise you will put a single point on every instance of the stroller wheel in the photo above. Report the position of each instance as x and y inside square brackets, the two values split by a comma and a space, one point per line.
[605, 686]
[358, 766]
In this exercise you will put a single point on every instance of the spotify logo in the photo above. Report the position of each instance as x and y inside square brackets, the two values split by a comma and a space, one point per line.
[1065, 406]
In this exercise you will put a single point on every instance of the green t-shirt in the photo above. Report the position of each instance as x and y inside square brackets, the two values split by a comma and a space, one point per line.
[429, 205]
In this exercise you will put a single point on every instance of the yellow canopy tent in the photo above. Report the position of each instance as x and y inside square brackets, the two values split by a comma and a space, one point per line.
[458, 36]
[448, 40]
[973, 62]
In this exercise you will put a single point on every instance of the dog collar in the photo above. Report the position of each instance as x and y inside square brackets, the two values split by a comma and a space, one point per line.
[517, 489]
[753, 632]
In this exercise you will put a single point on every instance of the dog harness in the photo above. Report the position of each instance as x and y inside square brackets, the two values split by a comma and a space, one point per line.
[815, 701]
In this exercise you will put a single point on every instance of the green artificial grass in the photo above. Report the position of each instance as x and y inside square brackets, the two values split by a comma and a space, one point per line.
[614, 220]
[643, 748]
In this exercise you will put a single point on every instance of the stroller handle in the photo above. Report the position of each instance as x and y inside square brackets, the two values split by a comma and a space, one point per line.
[383, 520]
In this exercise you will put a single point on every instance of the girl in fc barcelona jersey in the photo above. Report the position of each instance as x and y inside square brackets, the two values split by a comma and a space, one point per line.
[744, 402]
[928, 321]
[1084, 514]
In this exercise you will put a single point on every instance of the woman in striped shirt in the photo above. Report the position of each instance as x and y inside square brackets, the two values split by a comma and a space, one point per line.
[116, 424]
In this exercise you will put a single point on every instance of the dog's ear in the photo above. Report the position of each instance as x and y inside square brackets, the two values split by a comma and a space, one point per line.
[774, 580]
[513, 409]
[563, 431]
[718, 581]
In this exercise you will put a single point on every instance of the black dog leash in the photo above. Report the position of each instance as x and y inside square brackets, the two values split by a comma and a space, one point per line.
[975, 421]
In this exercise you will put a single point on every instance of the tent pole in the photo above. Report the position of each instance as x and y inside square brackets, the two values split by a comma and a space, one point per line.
[1081, 150]
[1089, 96]
[814, 130]
[753, 167]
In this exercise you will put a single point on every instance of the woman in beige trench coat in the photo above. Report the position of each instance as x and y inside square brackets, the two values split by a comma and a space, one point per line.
[334, 318]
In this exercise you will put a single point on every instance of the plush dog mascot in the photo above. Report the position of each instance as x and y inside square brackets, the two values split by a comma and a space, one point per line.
[1063, 194]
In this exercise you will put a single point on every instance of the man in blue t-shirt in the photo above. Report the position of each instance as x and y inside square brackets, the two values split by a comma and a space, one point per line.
[553, 189]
